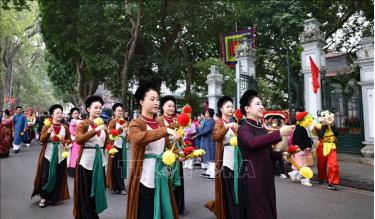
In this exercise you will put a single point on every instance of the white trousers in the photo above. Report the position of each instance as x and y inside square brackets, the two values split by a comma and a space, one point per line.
[16, 147]
[211, 169]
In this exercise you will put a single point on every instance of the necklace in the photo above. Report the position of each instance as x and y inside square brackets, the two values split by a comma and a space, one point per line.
[253, 125]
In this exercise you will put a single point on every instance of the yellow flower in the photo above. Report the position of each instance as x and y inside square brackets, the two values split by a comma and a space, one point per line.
[199, 153]
[113, 138]
[168, 157]
[233, 140]
[306, 172]
[181, 132]
[112, 151]
[98, 121]
[65, 154]
[47, 122]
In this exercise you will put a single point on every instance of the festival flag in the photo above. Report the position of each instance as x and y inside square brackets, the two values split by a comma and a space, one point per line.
[230, 41]
[315, 75]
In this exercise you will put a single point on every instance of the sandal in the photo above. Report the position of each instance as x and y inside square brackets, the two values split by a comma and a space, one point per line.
[42, 203]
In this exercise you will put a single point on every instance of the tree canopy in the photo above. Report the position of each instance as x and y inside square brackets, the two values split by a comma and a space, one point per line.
[178, 40]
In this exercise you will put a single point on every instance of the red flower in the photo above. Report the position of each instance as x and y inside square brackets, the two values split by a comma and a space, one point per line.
[293, 149]
[238, 114]
[55, 139]
[183, 119]
[188, 143]
[114, 132]
[188, 150]
[121, 121]
[186, 109]
[109, 147]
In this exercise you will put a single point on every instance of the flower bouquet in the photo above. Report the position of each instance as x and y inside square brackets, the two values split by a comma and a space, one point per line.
[98, 121]
[306, 172]
[183, 121]
[57, 139]
[111, 150]
[233, 139]
[113, 134]
[190, 152]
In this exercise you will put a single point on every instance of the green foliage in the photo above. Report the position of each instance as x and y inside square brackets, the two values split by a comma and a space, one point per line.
[202, 70]
[346, 84]
[354, 18]
[88, 34]
[179, 41]
[14, 4]
[30, 83]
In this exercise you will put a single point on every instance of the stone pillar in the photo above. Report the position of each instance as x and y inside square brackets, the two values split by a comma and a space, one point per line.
[366, 62]
[245, 69]
[215, 81]
[312, 41]
[136, 113]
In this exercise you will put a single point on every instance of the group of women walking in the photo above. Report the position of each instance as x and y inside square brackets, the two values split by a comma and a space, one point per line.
[244, 180]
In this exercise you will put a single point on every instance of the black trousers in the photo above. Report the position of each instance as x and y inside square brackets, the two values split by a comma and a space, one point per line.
[179, 192]
[278, 167]
[231, 209]
[53, 196]
[86, 204]
[145, 202]
[117, 178]
[71, 171]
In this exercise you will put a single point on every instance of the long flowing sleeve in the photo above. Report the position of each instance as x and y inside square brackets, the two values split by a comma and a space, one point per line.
[82, 135]
[207, 128]
[24, 120]
[44, 135]
[140, 137]
[248, 139]
[68, 138]
[112, 126]
[219, 131]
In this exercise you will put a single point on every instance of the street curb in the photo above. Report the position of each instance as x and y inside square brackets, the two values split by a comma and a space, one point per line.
[350, 182]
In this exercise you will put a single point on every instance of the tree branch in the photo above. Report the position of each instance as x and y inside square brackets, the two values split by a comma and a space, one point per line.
[340, 22]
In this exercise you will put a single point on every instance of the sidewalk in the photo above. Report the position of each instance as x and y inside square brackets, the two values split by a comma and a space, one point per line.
[353, 173]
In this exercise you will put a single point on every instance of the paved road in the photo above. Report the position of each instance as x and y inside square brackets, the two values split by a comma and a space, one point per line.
[293, 200]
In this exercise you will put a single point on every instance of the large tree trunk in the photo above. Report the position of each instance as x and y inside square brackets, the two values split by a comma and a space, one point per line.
[10, 51]
[17, 91]
[1, 93]
[189, 66]
[129, 50]
[86, 87]
[93, 86]
[81, 81]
